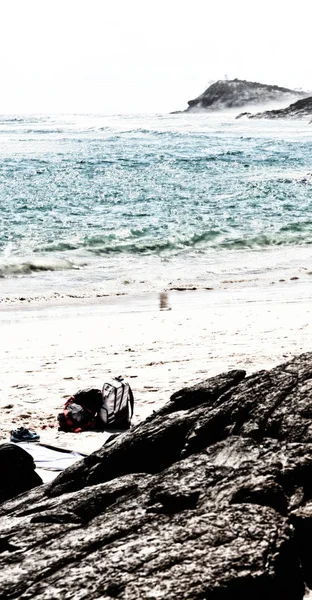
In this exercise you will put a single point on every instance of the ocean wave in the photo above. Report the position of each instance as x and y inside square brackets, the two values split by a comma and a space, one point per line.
[133, 248]
[100, 246]
[144, 132]
[56, 247]
[20, 267]
[229, 156]
[263, 241]
[298, 227]
[140, 241]
[23, 119]
[6, 120]
[46, 131]
[105, 256]
[199, 242]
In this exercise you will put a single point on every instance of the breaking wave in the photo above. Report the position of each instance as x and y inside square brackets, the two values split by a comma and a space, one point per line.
[21, 267]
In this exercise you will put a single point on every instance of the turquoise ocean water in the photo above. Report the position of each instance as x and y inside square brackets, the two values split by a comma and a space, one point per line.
[148, 202]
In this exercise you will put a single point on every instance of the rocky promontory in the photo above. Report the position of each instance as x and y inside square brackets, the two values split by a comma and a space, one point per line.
[297, 110]
[236, 93]
[210, 497]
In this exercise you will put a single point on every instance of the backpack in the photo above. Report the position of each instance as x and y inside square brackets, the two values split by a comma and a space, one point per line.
[81, 411]
[117, 404]
[92, 409]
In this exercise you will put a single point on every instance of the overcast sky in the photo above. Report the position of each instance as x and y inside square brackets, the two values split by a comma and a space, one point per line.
[151, 56]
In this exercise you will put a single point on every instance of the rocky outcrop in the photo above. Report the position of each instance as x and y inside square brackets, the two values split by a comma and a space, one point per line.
[236, 93]
[210, 497]
[298, 110]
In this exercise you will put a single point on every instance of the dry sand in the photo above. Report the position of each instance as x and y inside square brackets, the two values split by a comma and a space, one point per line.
[159, 343]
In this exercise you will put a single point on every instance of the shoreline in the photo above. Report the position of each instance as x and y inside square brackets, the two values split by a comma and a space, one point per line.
[160, 343]
[132, 276]
[94, 296]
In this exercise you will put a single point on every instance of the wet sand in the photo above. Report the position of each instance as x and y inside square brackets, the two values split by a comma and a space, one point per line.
[160, 343]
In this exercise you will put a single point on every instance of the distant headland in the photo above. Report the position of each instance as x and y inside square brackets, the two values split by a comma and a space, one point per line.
[238, 93]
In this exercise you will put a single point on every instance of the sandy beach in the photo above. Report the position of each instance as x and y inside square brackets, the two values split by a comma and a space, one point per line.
[160, 343]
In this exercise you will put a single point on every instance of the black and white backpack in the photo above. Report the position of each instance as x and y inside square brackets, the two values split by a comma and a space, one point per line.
[117, 403]
[93, 409]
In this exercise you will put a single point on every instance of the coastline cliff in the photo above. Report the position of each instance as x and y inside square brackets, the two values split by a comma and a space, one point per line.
[237, 93]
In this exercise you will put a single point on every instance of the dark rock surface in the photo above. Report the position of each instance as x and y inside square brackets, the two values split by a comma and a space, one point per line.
[210, 497]
[17, 471]
[297, 110]
[236, 93]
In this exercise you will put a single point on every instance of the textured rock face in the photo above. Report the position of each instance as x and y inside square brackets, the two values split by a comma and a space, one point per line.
[297, 110]
[211, 497]
[236, 93]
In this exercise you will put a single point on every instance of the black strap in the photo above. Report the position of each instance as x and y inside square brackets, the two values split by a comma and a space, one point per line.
[131, 401]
